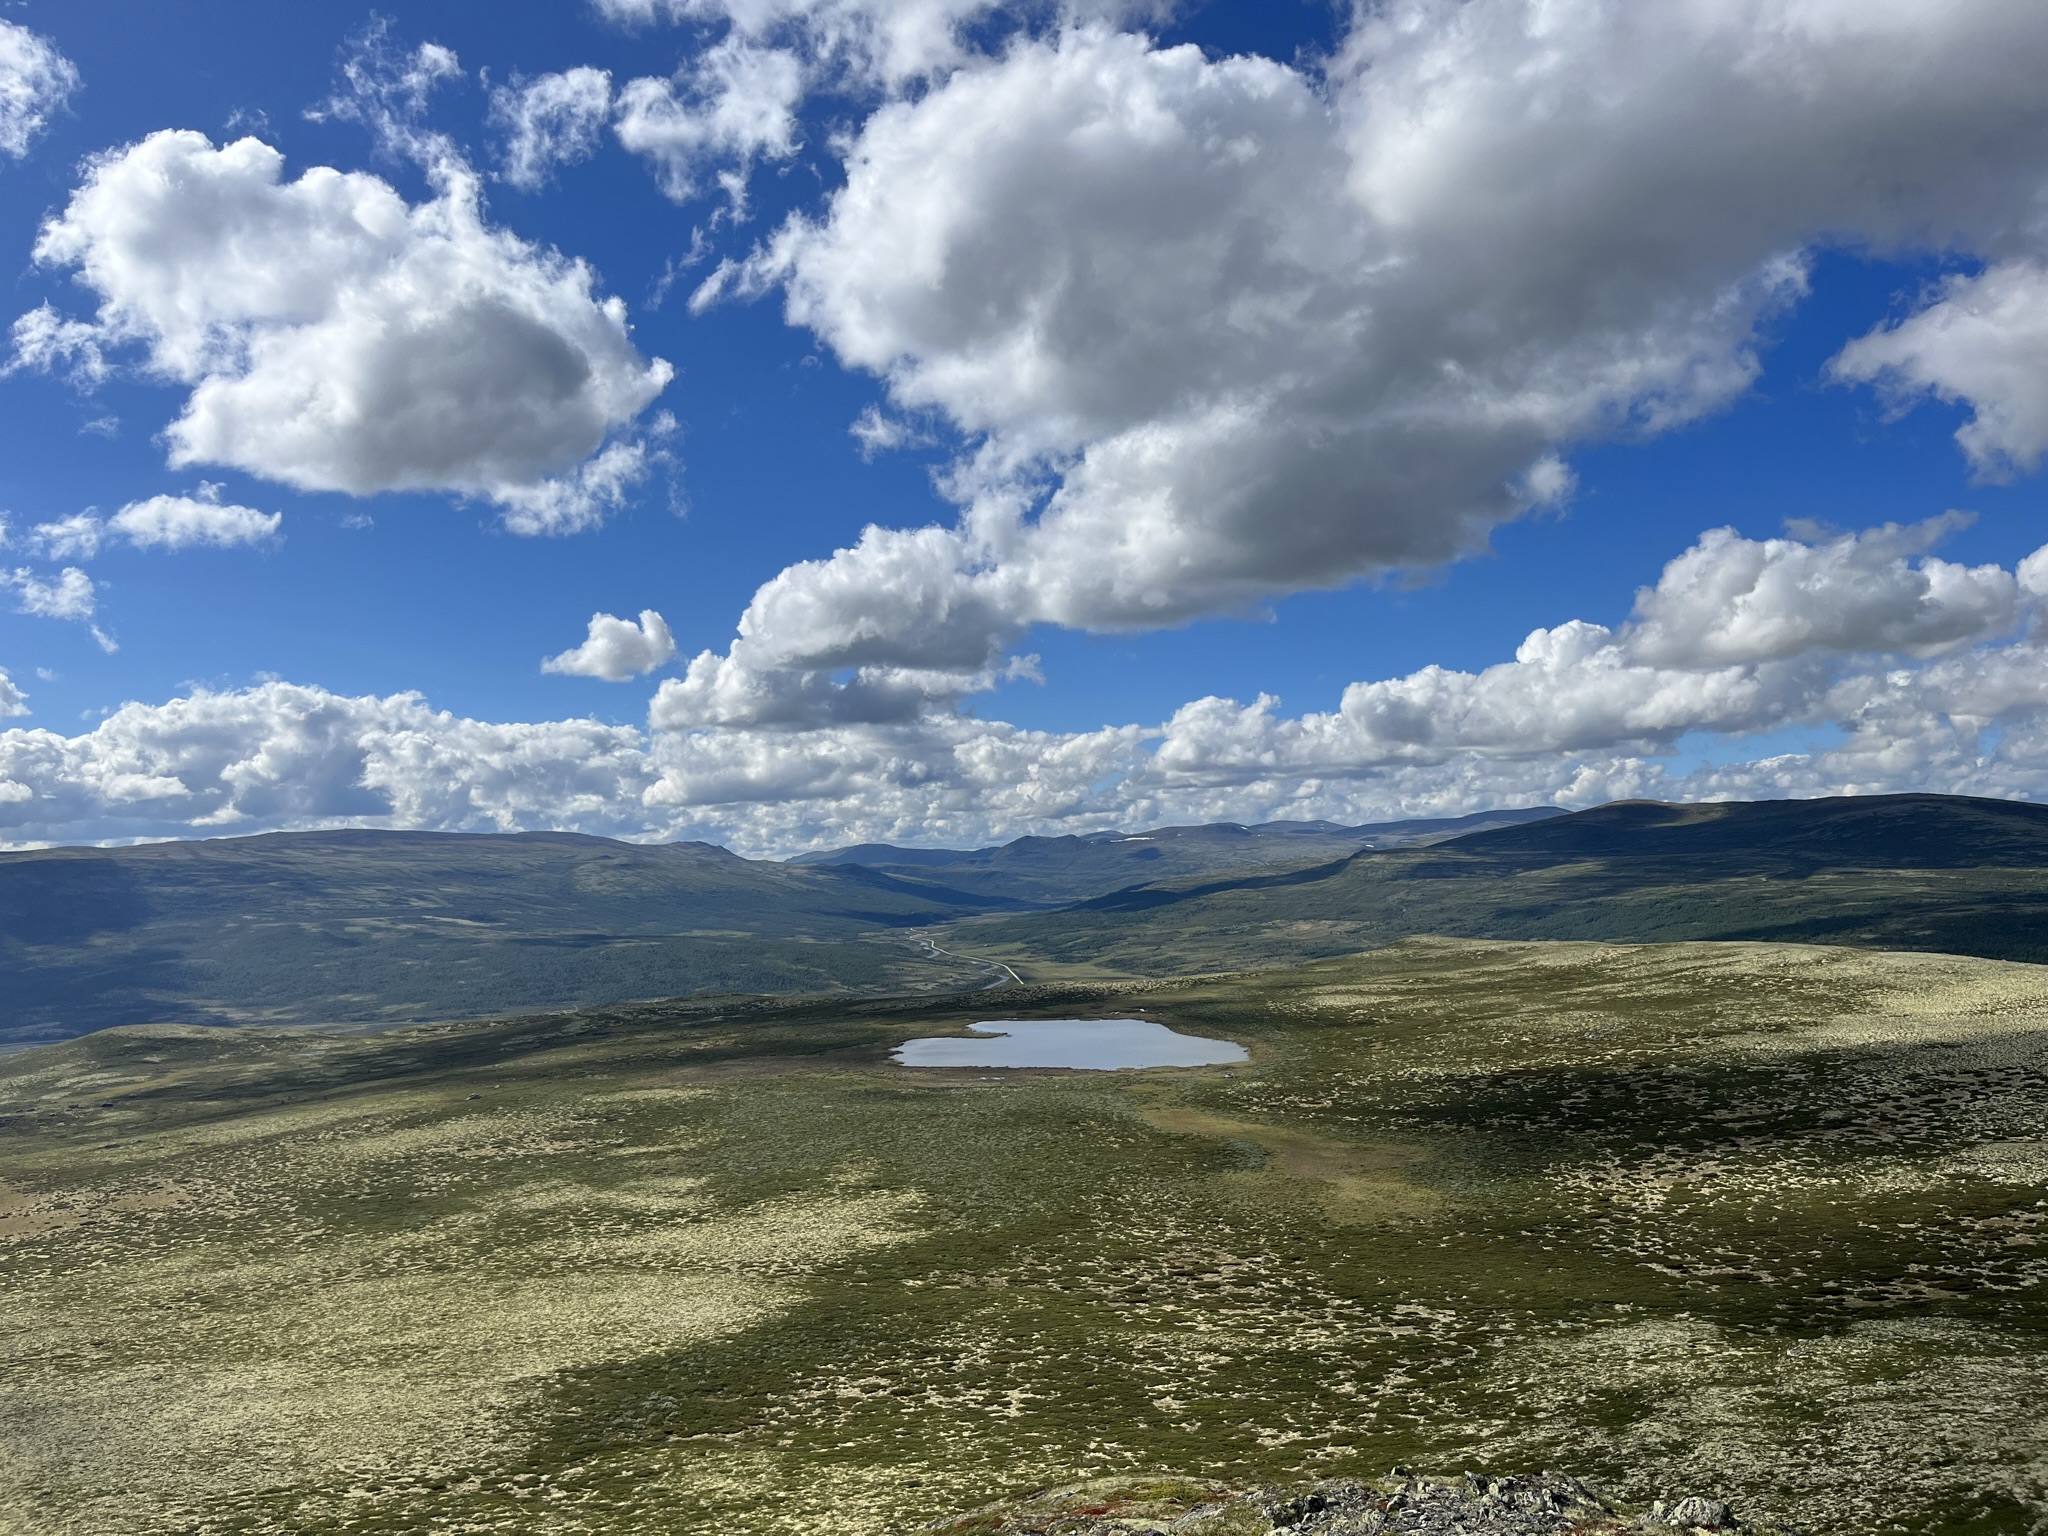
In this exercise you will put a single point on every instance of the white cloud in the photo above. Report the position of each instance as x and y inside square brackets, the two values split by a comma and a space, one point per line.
[1733, 600]
[877, 433]
[158, 522]
[1217, 329]
[580, 499]
[1983, 341]
[2032, 573]
[70, 595]
[35, 80]
[897, 607]
[1578, 716]
[279, 755]
[336, 338]
[12, 700]
[77, 537]
[549, 121]
[616, 649]
[884, 43]
[387, 90]
[46, 342]
[720, 691]
[733, 102]
[736, 100]
[186, 522]
[1738, 635]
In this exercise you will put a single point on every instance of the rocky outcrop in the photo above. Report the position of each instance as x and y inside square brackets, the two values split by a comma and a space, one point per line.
[1404, 1504]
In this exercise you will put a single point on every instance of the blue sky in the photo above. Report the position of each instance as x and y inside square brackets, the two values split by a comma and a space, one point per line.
[747, 465]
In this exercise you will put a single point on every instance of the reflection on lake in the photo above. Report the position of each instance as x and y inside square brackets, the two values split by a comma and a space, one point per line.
[1098, 1045]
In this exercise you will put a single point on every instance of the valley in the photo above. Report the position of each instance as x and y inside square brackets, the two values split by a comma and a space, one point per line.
[365, 928]
[1759, 1222]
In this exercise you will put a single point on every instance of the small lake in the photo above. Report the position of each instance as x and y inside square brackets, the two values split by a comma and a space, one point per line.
[1092, 1045]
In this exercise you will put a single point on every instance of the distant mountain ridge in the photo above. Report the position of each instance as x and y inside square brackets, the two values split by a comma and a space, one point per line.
[367, 927]
[375, 927]
[1841, 832]
[1931, 872]
[1077, 868]
[370, 926]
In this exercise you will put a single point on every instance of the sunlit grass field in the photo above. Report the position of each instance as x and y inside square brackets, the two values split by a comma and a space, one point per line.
[1754, 1221]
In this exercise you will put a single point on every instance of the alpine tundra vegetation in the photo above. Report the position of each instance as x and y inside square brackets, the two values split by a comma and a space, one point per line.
[1751, 1222]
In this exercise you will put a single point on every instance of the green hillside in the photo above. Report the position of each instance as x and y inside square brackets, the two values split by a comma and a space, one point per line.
[378, 927]
[1920, 872]
[1057, 870]
[1762, 1223]
[382, 926]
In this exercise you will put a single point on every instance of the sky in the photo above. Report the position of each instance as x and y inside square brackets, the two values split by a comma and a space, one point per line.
[790, 423]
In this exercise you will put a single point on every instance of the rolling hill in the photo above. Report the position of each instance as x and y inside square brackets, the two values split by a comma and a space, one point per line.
[1057, 870]
[1760, 1223]
[361, 927]
[1919, 872]
[370, 927]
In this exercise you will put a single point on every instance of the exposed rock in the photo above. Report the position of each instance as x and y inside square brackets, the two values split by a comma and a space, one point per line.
[1550, 1504]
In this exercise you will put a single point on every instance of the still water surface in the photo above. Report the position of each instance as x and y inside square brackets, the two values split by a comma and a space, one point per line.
[1098, 1045]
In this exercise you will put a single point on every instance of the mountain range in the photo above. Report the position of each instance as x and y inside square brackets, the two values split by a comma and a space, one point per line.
[1064, 869]
[1921, 872]
[372, 927]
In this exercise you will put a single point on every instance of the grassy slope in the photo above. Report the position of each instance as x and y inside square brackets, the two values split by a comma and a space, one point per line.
[380, 926]
[1759, 1221]
[1065, 869]
[1899, 871]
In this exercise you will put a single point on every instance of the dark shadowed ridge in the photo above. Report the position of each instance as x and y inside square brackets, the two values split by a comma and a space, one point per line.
[1058, 870]
[1846, 832]
[363, 926]
[1930, 872]
[373, 927]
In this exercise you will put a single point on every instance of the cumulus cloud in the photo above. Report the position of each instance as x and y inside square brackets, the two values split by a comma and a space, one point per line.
[46, 342]
[1211, 330]
[616, 649]
[12, 700]
[550, 121]
[897, 608]
[724, 692]
[279, 755]
[70, 594]
[186, 522]
[157, 522]
[734, 102]
[886, 43]
[1982, 341]
[580, 499]
[1953, 697]
[1738, 635]
[1734, 600]
[77, 537]
[336, 338]
[35, 80]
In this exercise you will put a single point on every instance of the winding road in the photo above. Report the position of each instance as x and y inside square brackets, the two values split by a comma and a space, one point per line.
[988, 965]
